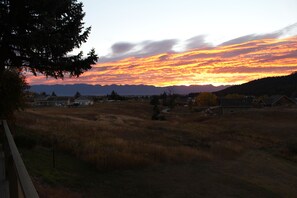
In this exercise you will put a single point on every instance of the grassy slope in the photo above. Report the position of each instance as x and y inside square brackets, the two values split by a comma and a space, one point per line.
[119, 152]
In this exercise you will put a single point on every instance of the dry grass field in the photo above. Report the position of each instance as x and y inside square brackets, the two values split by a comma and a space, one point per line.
[116, 150]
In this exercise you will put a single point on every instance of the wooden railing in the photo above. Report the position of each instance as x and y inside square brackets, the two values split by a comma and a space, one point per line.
[19, 181]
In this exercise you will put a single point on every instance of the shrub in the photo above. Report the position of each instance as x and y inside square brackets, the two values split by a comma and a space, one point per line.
[206, 99]
[12, 87]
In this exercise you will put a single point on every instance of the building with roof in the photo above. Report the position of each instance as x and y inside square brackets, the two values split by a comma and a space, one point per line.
[84, 101]
[279, 100]
[51, 101]
[230, 105]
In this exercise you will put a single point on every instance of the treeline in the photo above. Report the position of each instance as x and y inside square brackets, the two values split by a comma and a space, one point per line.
[115, 96]
[283, 85]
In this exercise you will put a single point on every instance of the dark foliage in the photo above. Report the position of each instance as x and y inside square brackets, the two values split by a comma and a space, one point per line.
[157, 114]
[154, 100]
[284, 85]
[164, 98]
[115, 96]
[54, 94]
[193, 95]
[77, 95]
[168, 99]
[38, 35]
[12, 87]
[172, 99]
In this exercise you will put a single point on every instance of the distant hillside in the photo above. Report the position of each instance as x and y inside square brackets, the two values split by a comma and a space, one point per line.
[283, 85]
[97, 90]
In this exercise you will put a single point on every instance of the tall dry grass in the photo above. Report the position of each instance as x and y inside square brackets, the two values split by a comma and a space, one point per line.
[111, 137]
[122, 136]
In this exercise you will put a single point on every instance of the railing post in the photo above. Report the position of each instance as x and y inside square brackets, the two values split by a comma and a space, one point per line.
[20, 183]
[11, 177]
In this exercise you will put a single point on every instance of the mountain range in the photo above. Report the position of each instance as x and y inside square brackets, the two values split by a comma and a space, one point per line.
[282, 85]
[97, 90]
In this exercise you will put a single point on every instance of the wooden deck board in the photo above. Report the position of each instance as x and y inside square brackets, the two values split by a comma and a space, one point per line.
[4, 185]
[2, 167]
[4, 189]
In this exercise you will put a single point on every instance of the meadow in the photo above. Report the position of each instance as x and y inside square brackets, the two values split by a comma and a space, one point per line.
[116, 150]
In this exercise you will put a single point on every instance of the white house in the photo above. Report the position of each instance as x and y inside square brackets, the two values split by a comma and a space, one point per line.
[84, 101]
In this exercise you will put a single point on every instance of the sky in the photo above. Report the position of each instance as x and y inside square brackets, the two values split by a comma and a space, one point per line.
[174, 42]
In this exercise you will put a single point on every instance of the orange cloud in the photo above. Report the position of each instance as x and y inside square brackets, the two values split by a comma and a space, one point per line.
[226, 64]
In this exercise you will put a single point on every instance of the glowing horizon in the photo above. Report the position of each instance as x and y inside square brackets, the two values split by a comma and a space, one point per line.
[222, 65]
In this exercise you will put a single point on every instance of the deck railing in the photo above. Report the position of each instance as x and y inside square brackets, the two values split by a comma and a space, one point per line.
[20, 183]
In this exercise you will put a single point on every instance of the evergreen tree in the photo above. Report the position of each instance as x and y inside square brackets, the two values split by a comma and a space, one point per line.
[77, 95]
[37, 36]
[114, 96]
[54, 94]
[43, 94]
[164, 99]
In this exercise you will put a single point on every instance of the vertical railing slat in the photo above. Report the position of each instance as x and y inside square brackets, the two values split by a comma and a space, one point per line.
[25, 181]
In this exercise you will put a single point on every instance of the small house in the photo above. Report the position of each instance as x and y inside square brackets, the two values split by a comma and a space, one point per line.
[84, 101]
[279, 100]
[41, 100]
[51, 101]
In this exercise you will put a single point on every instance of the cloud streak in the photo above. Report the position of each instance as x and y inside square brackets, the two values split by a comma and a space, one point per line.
[197, 42]
[156, 63]
[121, 48]
[285, 32]
[157, 47]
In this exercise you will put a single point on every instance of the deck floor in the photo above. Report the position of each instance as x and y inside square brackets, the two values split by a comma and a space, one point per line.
[4, 186]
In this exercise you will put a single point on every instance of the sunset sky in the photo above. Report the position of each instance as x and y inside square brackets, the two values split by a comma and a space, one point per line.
[173, 42]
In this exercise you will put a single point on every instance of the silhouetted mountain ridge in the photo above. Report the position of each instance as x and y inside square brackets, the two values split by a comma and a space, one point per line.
[96, 90]
[282, 85]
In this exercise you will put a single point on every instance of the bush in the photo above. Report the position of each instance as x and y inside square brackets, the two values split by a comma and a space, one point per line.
[12, 87]
[206, 99]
